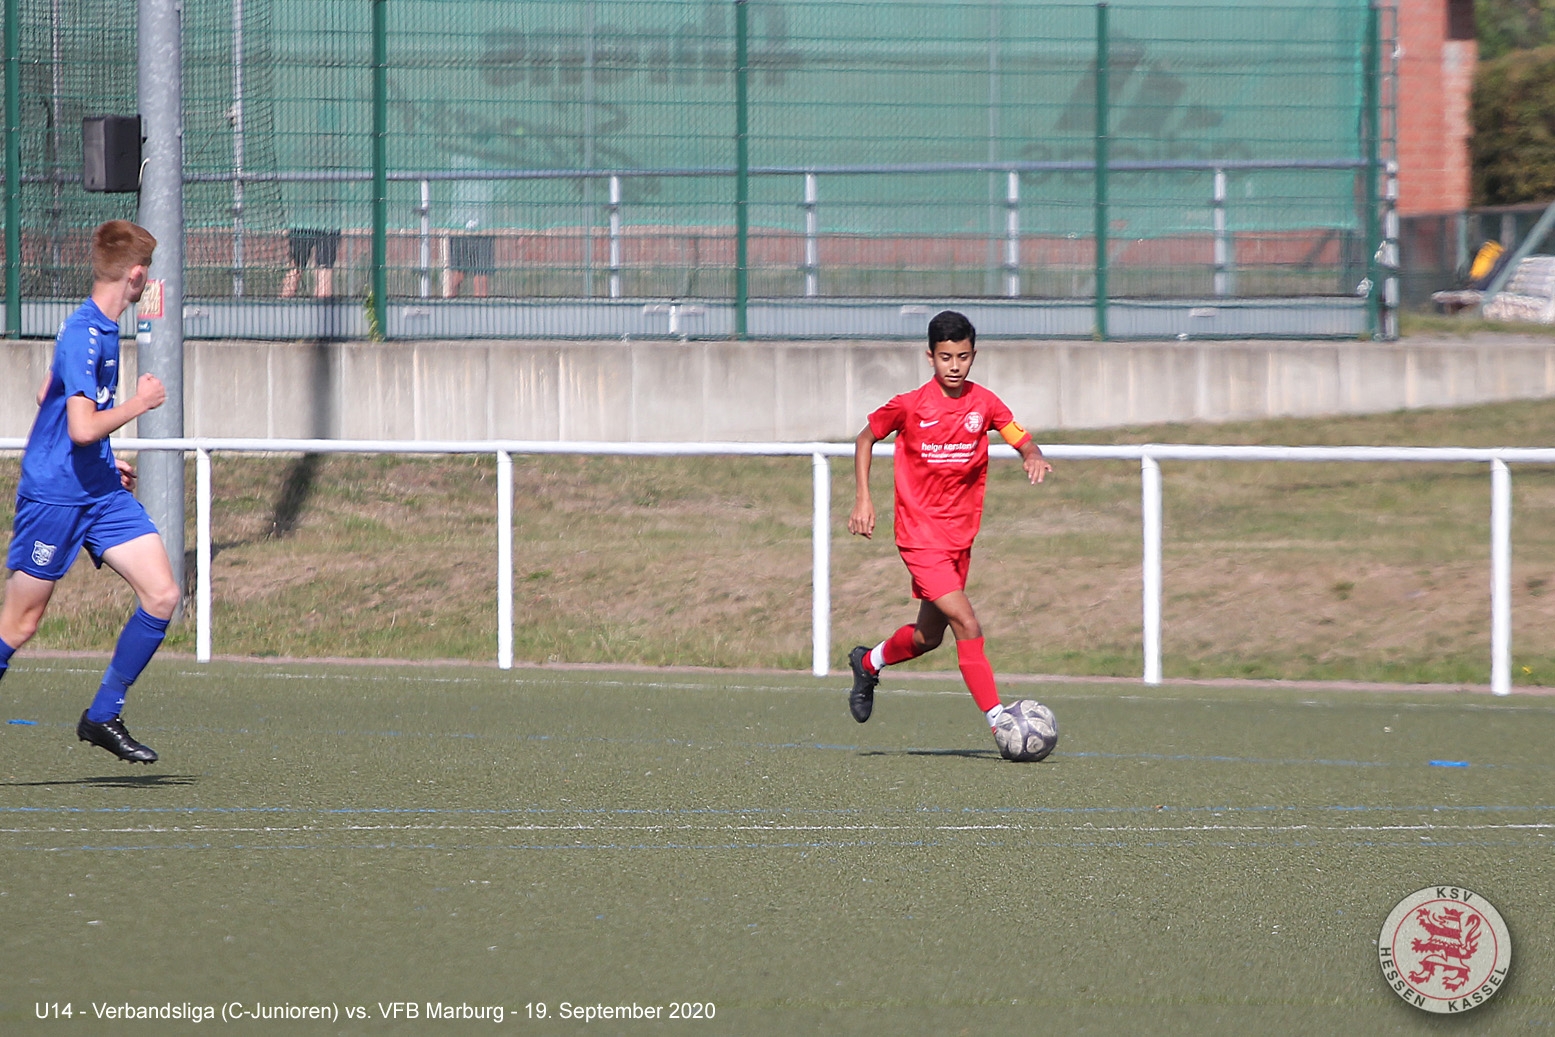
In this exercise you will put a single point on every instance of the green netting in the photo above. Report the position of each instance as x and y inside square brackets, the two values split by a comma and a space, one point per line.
[77, 58]
[278, 97]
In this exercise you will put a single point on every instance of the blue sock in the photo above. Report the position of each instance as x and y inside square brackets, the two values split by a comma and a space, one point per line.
[6, 651]
[137, 644]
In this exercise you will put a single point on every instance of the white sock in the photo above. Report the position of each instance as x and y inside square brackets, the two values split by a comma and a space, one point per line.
[877, 657]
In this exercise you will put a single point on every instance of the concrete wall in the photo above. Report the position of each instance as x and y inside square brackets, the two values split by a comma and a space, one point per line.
[785, 391]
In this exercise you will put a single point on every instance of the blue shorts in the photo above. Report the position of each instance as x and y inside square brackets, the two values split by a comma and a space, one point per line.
[46, 538]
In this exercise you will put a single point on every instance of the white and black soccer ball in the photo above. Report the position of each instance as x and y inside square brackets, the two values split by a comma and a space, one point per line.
[1026, 731]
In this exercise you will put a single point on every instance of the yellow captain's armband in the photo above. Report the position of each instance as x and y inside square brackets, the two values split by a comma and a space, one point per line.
[1014, 434]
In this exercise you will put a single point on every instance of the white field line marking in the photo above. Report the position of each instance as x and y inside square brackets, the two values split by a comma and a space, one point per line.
[1295, 828]
[1080, 829]
[713, 684]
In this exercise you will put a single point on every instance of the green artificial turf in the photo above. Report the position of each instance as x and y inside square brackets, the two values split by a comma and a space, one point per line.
[1191, 859]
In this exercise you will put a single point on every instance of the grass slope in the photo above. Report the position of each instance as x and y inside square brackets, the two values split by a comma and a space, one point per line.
[1341, 571]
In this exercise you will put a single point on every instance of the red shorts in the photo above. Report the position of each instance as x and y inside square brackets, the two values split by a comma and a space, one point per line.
[936, 571]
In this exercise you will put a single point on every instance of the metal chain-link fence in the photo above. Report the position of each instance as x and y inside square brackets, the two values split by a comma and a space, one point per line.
[643, 153]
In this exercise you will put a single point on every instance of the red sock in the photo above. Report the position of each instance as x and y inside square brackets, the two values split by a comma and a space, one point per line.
[978, 673]
[898, 648]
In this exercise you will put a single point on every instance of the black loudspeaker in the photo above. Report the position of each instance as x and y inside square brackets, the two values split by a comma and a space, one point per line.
[110, 153]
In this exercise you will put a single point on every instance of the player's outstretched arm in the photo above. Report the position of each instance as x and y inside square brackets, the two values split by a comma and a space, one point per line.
[86, 424]
[862, 521]
[1037, 467]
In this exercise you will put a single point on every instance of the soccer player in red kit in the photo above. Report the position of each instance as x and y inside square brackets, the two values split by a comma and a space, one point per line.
[941, 467]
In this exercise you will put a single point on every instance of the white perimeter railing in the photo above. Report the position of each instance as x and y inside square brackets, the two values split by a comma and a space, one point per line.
[1148, 455]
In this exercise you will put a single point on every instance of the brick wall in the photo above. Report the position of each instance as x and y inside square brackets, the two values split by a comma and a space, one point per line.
[1436, 77]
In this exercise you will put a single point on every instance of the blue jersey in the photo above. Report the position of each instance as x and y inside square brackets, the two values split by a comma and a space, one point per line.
[86, 363]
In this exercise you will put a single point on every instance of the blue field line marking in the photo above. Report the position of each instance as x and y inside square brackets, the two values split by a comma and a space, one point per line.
[1226, 759]
[686, 743]
[474, 736]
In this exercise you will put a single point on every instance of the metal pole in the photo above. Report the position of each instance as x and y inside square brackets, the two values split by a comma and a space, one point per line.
[504, 560]
[820, 567]
[1222, 240]
[202, 548]
[1460, 226]
[426, 238]
[56, 161]
[160, 341]
[1373, 143]
[991, 279]
[1012, 236]
[742, 171]
[238, 145]
[1390, 256]
[812, 226]
[587, 221]
[1500, 578]
[1102, 103]
[13, 170]
[1150, 489]
[380, 164]
[615, 237]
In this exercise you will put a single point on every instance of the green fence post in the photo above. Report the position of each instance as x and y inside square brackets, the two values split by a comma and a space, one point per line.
[1102, 101]
[1373, 144]
[380, 308]
[742, 170]
[13, 171]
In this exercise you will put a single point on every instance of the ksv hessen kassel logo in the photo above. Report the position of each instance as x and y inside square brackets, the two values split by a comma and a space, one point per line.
[1445, 949]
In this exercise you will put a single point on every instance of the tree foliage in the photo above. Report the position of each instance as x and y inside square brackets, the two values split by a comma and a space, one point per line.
[1513, 113]
[1507, 25]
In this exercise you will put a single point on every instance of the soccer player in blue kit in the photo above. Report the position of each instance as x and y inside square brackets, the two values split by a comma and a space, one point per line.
[74, 493]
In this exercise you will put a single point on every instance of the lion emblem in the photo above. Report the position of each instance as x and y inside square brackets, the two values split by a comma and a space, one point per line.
[1452, 939]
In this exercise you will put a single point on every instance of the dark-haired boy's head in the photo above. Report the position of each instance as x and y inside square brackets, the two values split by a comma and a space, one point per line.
[950, 326]
[118, 246]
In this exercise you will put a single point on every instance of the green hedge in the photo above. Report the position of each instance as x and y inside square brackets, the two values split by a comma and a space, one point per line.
[1513, 146]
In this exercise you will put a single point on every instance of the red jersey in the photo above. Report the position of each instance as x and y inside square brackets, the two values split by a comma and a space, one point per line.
[941, 461]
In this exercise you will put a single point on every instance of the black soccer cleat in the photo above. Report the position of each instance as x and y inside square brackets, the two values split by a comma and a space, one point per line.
[861, 700]
[113, 736]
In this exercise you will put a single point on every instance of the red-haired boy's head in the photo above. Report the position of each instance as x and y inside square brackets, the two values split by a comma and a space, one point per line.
[117, 247]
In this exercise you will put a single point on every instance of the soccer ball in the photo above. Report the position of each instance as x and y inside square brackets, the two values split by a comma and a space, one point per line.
[1026, 731]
